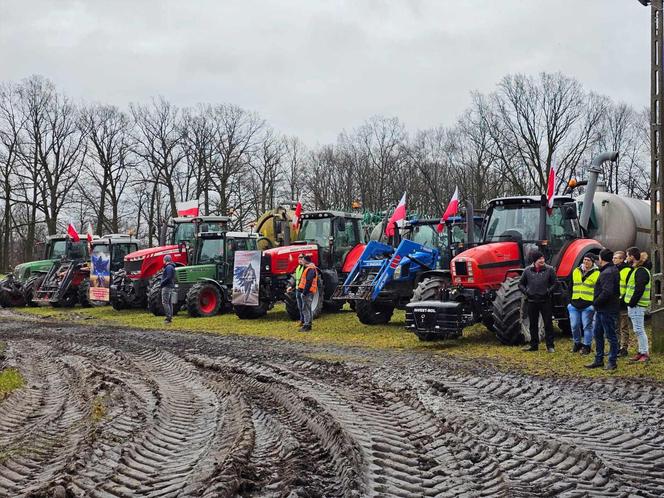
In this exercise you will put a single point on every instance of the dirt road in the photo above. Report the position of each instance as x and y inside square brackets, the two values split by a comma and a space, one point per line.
[130, 413]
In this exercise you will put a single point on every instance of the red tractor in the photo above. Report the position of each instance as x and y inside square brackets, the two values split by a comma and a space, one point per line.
[485, 278]
[334, 240]
[130, 286]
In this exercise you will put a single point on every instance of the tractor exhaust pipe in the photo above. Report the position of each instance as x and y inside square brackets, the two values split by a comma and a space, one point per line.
[470, 224]
[594, 170]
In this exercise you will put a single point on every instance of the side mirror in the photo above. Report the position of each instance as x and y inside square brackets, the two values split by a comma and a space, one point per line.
[569, 212]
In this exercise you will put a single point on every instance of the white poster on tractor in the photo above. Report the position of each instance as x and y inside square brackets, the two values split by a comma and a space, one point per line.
[100, 274]
[246, 278]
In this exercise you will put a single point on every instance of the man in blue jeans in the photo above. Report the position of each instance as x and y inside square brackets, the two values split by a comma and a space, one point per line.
[606, 301]
[168, 288]
[580, 308]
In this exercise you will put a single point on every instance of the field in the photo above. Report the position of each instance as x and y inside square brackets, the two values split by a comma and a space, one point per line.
[343, 329]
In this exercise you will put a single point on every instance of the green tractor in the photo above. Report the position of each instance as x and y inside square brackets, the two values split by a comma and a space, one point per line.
[204, 287]
[17, 289]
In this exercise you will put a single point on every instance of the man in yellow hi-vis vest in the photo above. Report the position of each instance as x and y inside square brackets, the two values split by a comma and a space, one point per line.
[624, 269]
[580, 308]
[637, 298]
[308, 285]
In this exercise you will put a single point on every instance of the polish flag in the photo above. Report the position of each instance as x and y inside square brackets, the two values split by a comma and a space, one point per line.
[71, 231]
[298, 214]
[89, 234]
[550, 188]
[187, 208]
[398, 215]
[452, 210]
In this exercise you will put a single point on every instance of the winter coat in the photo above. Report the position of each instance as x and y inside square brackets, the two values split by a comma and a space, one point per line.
[168, 276]
[538, 286]
[607, 290]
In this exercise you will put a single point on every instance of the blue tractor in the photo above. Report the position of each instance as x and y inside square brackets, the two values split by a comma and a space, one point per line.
[385, 276]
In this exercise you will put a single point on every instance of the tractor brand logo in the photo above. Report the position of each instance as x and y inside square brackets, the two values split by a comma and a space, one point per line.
[425, 310]
[395, 262]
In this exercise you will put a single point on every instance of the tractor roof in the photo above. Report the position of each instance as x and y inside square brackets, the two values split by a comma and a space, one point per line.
[529, 199]
[201, 219]
[221, 235]
[58, 236]
[331, 214]
[115, 238]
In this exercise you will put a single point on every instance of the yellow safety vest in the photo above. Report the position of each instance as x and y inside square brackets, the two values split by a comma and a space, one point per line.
[624, 273]
[631, 285]
[298, 274]
[584, 289]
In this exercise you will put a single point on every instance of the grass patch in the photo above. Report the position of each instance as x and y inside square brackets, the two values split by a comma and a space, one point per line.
[10, 379]
[344, 329]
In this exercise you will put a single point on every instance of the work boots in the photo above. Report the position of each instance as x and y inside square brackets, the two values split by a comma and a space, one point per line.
[577, 347]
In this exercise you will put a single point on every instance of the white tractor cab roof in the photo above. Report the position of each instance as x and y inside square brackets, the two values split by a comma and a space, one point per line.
[229, 235]
[201, 219]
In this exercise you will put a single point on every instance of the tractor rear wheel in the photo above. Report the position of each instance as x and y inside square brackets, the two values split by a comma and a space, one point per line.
[370, 313]
[291, 305]
[84, 294]
[11, 299]
[333, 306]
[510, 314]
[204, 299]
[31, 285]
[154, 301]
[251, 312]
[69, 300]
[429, 289]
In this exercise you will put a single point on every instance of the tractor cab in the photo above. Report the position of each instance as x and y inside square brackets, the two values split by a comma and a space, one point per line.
[335, 233]
[523, 220]
[218, 249]
[183, 230]
[117, 246]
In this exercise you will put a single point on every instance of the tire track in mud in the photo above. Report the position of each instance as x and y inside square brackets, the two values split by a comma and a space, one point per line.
[193, 415]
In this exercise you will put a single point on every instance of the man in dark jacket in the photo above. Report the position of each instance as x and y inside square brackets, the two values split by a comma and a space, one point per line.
[538, 283]
[606, 301]
[168, 288]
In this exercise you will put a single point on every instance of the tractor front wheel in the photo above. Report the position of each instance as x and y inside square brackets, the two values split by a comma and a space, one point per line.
[204, 299]
[510, 314]
[250, 312]
[429, 289]
[31, 285]
[370, 313]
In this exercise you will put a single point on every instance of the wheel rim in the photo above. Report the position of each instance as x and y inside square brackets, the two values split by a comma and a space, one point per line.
[208, 300]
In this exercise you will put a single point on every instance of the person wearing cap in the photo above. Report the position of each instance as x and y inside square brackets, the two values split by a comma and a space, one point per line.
[580, 308]
[637, 299]
[538, 282]
[606, 301]
[622, 328]
[308, 285]
[167, 285]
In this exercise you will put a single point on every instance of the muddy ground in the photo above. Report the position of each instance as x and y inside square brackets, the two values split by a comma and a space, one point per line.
[131, 413]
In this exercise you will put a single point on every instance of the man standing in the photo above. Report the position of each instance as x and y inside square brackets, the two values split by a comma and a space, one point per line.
[167, 288]
[624, 270]
[308, 285]
[298, 293]
[580, 308]
[637, 298]
[538, 281]
[607, 307]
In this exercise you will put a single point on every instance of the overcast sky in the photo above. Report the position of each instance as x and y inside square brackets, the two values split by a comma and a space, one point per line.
[313, 68]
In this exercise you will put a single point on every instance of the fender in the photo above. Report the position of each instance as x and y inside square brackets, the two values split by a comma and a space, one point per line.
[573, 254]
[433, 273]
[351, 258]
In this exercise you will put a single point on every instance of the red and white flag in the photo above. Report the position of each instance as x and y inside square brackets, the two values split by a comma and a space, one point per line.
[550, 188]
[398, 215]
[298, 214]
[71, 231]
[452, 210]
[187, 208]
[90, 233]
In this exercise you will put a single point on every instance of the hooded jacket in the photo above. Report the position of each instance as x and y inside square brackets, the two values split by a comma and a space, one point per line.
[607, 290]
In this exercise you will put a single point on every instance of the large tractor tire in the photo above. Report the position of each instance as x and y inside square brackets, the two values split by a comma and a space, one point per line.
[155, 306]
[251, 312]
[204, 299]
[333, 306]
[84, 294]
[370, 313]
[291, 304]
[69, 300]
[510, 315]
[29, 288]
[429, 289]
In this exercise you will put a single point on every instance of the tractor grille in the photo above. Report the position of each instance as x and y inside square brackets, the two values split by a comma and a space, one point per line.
[133, 266]
[461, 268]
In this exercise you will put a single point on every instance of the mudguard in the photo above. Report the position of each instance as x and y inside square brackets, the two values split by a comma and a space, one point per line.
[573, 254]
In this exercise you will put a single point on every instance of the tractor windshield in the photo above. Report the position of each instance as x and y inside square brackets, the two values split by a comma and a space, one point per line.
[58, 248]
[521, 221]
[184, 232]
[316, 230]
[212, 251]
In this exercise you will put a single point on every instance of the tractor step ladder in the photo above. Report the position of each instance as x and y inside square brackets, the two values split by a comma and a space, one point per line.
[58, 275]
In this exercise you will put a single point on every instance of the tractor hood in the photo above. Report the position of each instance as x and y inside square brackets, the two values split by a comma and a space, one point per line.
[153, 252]
[283, 260]
[24, 271]
[485, 266]
[194, 273]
